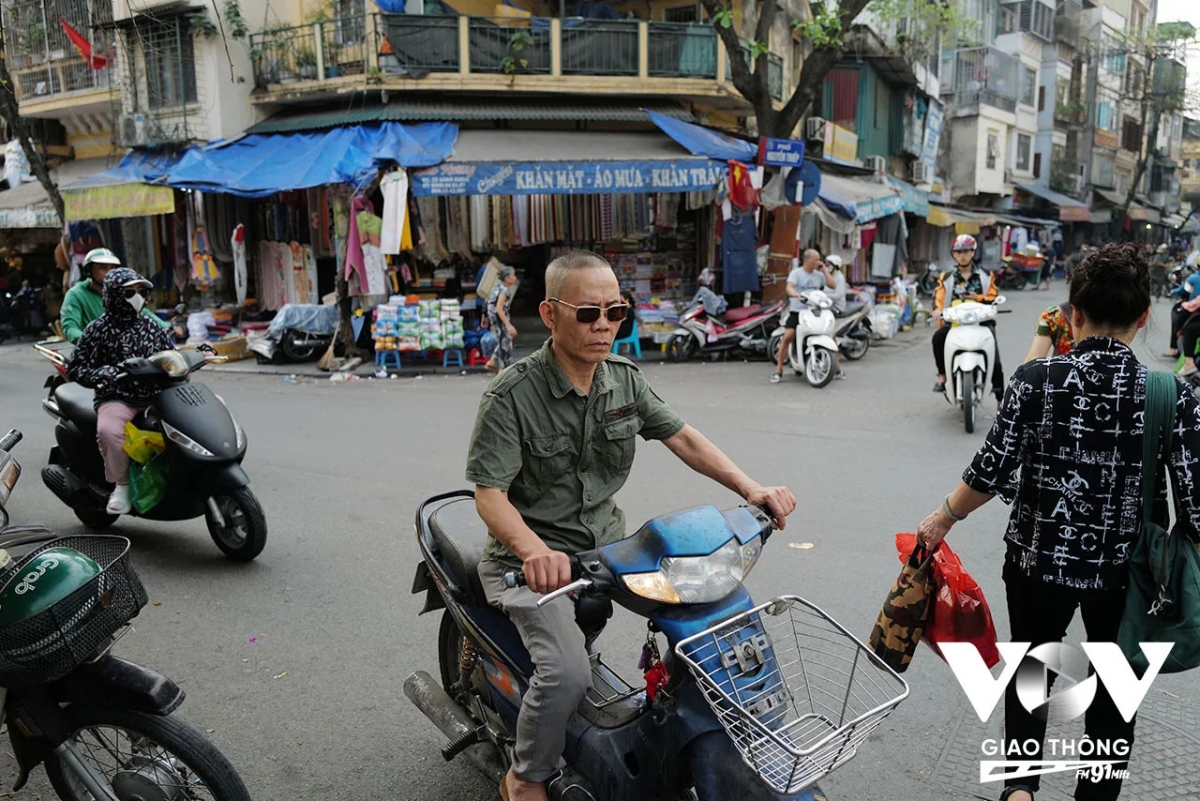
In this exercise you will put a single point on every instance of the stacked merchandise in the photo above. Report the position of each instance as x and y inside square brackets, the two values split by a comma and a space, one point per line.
[408, 328]
[430, 315]
[386, 330]
[452, 323]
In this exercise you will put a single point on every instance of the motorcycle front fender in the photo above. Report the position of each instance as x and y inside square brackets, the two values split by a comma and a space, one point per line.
[118, 682]
[820, 341]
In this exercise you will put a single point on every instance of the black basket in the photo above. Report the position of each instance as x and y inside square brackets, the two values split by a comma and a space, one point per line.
[52, 643]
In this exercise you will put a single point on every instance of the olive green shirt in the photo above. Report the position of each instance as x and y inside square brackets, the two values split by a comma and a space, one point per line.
[562, 455]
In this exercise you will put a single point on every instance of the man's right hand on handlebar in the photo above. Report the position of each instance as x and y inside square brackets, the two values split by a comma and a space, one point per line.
[547, 571]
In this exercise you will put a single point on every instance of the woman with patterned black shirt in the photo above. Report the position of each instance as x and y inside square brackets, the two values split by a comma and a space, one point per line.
[1065, 453]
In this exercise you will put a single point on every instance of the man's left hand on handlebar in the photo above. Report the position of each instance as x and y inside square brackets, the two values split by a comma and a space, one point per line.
[778, 501]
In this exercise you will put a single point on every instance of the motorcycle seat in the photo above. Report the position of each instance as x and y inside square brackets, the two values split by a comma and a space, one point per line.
[852, 307]
[733, 316]
[460, 535]
[77, 403]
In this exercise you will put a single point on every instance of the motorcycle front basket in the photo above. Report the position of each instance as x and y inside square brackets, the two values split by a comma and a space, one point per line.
[53, 642]
[796, 692]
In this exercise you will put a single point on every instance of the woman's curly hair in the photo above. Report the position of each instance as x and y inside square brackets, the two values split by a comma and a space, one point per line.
[1111, 286]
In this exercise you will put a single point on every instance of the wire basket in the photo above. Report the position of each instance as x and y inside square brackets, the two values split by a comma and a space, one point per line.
[52, 643]
[796, 692]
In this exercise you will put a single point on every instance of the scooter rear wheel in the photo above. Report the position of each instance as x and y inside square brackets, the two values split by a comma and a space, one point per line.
[136, 755]
[682, 348]
[855, 348]
[243, 534]
[296, 352]
[95, 517]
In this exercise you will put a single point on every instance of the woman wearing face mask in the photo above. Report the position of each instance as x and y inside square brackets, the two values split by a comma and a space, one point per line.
[121, 333]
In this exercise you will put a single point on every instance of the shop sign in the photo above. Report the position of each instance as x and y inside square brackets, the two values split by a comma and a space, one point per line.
[1101, 216]
[1074, 214]
[933, 133]
[120, 200]
[780, 152]
[568, 178]
[30, 217]
[840, 143]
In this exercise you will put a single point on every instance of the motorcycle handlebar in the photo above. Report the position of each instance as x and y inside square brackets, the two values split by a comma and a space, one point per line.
[10, 440]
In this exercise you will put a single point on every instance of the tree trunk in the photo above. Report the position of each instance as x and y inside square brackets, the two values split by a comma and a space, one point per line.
[10, 111]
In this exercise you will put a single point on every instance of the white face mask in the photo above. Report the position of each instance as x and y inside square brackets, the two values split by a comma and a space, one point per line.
[137, 302]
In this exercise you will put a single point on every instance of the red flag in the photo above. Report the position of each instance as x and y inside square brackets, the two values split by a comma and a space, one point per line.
[741, 192]
[83, 46]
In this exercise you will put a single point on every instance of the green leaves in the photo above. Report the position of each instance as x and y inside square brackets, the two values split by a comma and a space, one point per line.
[824, 29]
[724, 18]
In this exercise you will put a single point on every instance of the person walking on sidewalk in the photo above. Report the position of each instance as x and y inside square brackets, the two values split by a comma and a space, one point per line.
[499, 306]
[1076, 502]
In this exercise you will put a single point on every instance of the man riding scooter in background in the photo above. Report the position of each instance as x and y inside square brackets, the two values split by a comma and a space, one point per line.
[965, 283]
[122, 332]
[84, 302]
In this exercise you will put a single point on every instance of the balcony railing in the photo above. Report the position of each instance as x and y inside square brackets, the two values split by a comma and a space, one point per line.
[414, 45]
[980, 76]
[42, 81]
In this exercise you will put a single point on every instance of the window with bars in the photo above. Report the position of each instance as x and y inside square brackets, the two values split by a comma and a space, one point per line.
[170, 56]
[1028, 86]
[1024, 148]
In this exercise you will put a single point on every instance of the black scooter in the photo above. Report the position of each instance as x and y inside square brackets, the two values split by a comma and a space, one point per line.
[204, 451]
[102, 726]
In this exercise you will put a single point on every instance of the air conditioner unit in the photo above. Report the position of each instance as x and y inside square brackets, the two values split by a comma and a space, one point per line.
[920, 172]
[877, 164]
[814, 128]
[132, 129]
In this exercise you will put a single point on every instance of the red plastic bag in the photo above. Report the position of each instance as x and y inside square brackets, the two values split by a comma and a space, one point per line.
[960, 612]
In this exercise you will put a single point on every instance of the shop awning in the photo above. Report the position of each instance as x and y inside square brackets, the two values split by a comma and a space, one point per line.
[505, 162]
[470, 109]
[1112, 197]
[1139, 213]
[859, 198]
[262, 165]
[1173, 220]
[28, 205]
[944, 217]
[915, 201]
[1069, 209]
[702, 141]
[126, 190]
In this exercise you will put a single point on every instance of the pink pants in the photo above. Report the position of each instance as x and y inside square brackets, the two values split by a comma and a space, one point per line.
[110, 434]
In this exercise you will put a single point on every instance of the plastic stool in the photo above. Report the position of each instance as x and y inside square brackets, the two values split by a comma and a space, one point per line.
[385, 357]
[635, 344]
[452, 355]
[475, 357]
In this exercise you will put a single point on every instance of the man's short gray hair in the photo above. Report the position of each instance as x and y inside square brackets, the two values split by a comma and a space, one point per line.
[559, 270]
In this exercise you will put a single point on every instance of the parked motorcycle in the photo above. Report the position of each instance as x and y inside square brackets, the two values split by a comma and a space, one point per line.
[756, 702]
[102, 726]
[744, 331]
[927, 281]
[299, 331]
[854, 331]
[970, 355]
[204, 451]
[1010, 276]
[814, 347]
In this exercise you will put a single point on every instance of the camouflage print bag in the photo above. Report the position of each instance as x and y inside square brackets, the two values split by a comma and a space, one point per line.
[905, 612]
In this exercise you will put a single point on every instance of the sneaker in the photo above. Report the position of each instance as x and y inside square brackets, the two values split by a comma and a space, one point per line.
[776, 378]
[939, 386]
[839, 376]
[118, 502]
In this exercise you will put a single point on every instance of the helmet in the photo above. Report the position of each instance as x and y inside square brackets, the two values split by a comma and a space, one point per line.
[707, 277]
[964, 242]
[834, 261]
[43, 581]
[101, 256]
[1162, 248]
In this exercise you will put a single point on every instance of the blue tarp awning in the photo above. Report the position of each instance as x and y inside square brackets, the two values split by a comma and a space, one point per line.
[703, 142]
[261, 165]
[137, 167]
[858, 199]
[915, 201]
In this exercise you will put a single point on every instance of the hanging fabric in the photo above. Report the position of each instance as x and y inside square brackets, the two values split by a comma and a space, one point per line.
[204, 267]
[394, 187]
[238, 247]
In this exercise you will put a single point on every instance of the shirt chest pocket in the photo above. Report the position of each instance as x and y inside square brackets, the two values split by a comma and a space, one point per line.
[547, 458]
[617, 444]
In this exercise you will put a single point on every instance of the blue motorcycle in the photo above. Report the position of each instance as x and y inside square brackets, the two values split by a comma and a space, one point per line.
[752, 702]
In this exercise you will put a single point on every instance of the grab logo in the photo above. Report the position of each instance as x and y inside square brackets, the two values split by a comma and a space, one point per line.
[1068, 665]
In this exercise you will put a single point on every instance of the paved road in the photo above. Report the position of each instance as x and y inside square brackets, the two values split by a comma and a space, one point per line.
[296, 662]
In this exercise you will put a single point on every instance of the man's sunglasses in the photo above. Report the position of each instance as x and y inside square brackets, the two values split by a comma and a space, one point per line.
[135, 290]
[590, 314]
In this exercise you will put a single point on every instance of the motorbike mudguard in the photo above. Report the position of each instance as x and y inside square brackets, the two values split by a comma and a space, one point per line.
[118, 682]
[969, 362]
[718, 772]
[819, 341]
[218, 478]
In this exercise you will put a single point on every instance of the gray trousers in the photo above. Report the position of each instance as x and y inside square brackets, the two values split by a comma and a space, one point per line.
[562, 672]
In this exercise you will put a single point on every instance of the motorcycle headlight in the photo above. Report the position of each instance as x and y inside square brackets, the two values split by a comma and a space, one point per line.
[697, 579]
[241, 434]
[171, 362]
[184, 441]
